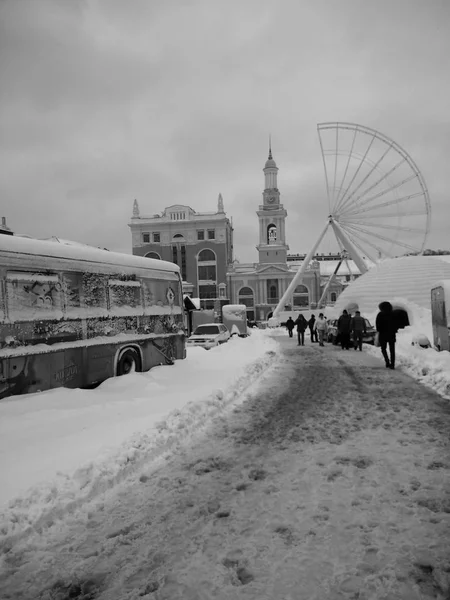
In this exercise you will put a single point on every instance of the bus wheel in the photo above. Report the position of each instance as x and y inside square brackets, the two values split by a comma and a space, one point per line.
[129, 362]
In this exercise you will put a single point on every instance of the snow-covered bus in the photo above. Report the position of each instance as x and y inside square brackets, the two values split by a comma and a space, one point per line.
[72, 315]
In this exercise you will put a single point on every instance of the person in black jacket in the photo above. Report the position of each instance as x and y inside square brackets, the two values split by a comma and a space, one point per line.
[313, 331]
[386, 326]
[302, 324]
[290, 326]
[344, 328]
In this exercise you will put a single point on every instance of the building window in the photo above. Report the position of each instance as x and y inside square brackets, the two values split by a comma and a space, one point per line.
[183, 263]
[175, 255]
[207, 292]
[156, 237]
[245, 296]
[211, 234]
[207, 272]
[153, 255]
[333, 297]
[301, 296]
[271, 234]
[222, 291]
[272, 291]
[146, 238]
[206, 255]
[200, 235]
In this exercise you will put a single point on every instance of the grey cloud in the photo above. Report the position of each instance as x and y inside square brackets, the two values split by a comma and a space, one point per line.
[170, 102]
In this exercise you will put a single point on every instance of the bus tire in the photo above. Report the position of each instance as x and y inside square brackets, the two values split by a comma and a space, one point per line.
[129, 361]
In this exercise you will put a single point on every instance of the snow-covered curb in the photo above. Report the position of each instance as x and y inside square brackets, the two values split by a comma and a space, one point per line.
[48, 502]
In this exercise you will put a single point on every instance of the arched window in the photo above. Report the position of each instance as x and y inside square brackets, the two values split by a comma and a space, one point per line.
[246, 296]
[153, 255]
[179, 254]
[271, 233]
[207, 277]
[206, 255]
[272, 291]
[301, 296]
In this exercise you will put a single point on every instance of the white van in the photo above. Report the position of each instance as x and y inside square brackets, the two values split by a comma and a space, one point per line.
[234, 316]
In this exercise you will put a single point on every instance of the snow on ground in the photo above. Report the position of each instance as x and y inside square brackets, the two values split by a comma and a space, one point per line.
[61, 447]
[329, 482]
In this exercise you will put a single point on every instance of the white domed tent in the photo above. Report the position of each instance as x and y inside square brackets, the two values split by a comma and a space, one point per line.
[409, 278]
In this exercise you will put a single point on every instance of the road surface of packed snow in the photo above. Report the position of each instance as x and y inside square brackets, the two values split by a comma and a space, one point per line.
[329, 480]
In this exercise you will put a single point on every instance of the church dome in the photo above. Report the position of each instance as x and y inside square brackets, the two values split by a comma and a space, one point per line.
[409, 277]
[270, 163]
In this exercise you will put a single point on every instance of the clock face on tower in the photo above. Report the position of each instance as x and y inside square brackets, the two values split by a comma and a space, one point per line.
[271, 200]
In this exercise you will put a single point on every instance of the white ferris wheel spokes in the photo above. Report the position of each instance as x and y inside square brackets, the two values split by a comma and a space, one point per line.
[378, 202]
[376, 193]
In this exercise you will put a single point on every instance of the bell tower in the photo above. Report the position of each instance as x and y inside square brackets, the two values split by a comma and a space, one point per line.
[272, 247]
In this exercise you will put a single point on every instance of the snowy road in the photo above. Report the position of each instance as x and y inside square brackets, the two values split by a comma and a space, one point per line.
[331, 481]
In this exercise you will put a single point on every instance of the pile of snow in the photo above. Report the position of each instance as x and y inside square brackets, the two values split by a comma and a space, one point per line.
[62, 447]
[410, 277]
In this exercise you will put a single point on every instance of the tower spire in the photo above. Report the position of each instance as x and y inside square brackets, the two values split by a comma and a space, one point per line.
[270, 146]
[220, 204]
[136, 213]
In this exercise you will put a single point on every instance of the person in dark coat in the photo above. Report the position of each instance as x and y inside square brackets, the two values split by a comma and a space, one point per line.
[312, 329]
[302, 324]
[344, 328]
[290, 325]
[359, 328]
[386, 325]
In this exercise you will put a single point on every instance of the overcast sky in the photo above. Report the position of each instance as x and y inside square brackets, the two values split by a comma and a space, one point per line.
[104, 101]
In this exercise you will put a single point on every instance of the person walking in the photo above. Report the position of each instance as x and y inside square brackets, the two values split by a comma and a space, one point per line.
[386, 327]
[344, 327]
[321, 328]
[312, 331]
[358, 328]
[290, 326]
[302, 324]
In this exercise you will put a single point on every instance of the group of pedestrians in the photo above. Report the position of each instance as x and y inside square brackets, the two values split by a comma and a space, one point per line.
[349, 327]
[317, 327]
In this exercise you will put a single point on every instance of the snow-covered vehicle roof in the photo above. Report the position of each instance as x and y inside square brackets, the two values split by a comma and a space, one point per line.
[73, 251]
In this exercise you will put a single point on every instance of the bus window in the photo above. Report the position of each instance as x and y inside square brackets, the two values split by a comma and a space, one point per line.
[124, 294]
[94, 290]
[154, 292]
[72, 285]
[33, 296]
[161, 293]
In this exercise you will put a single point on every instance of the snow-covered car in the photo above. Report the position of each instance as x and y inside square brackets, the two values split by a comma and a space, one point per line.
[209, 335]
[333, 334]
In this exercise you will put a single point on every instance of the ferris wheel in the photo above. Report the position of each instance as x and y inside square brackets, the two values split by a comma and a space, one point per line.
[378, 202]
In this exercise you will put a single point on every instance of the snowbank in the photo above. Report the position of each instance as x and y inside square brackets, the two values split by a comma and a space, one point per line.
[60, 448]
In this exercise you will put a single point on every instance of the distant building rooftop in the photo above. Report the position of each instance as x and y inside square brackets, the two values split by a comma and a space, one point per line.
[4, 227]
